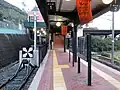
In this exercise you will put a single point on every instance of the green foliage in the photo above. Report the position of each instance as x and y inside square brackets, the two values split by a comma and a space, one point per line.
[117, 45]
[100, 44]
[117, 57]
[11, 12]
[1, 16]
[105, 54]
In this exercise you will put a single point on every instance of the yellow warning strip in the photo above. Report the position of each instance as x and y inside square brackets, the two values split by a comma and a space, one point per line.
[58, 79]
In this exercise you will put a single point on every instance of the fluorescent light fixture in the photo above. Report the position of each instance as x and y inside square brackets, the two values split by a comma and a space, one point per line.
[107, 1]
[59, 19]
[72, 24]
[58, 24]
[38, 31]
[44, 32]
[34, 29]
[67, 0]
[42, 29]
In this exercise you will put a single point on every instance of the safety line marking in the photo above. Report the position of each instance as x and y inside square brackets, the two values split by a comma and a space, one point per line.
[102, 74]
[58, 79]
[107, 77]
[109, 68]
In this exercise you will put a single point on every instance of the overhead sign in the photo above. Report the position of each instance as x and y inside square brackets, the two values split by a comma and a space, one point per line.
[84, 11]
[51, 7]
[27, 52]
[114, 7]
[64, 30]
[31, 16]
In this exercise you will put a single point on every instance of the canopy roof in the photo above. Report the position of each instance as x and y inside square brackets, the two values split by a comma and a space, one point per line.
[68, 8]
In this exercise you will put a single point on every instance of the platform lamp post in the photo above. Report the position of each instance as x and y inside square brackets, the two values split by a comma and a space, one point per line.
[113, 41]
[114, 8]
[112, 4]
[35, 31]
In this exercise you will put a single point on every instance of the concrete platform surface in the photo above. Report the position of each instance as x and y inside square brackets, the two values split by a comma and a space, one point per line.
[59, 74]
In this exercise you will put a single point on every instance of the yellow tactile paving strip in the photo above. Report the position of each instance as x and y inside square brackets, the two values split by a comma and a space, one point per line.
[58, 79]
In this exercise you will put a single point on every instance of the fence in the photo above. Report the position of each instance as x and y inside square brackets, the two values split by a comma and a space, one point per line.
[42, 51]
[82, 47]
[7, 24]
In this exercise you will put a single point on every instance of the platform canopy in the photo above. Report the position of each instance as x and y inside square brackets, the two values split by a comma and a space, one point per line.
[67, 9]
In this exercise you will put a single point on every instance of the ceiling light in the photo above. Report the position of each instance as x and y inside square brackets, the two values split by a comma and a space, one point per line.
[34, 29]
[67, 0]
[42, 29]
[107, 1]
[38, 31]
[44, 32]
[58, 24]
[59, 19]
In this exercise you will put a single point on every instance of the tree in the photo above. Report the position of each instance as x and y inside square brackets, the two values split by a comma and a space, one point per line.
[1, 16]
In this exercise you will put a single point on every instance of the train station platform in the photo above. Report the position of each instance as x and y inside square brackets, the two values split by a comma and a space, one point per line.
[57, 73]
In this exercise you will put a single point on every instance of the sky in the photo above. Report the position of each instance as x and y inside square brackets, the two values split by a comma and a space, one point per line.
[29, 5]
[18, 3]
[104, 22]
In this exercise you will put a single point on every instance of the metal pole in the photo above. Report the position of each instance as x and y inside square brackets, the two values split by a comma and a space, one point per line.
[89, 58]
[35, 31]
[73, 47]
[112, 56]
[78, 64]
[69, 56]
[64, 44]
[75, 29]
[74, 41]
[69, 48]
[40, 38]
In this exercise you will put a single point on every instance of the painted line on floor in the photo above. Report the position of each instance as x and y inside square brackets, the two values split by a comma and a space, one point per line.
[102, 74]
[58, 79]
[107, 67]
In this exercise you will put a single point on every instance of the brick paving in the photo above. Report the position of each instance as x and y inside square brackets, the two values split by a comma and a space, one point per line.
[46, 82]
[72, 79]
[75, 81]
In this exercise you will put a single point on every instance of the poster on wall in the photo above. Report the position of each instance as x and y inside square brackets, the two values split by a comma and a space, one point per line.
[84, 11]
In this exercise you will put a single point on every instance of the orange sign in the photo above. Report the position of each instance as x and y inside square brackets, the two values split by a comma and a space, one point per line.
[63, 30]
[84, 11]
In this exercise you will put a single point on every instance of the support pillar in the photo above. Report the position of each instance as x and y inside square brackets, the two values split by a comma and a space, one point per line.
[89, 58]
[78, 64]
[69, 49]
[64, 44]
[51, 41]
[72, 34]
[74, 43]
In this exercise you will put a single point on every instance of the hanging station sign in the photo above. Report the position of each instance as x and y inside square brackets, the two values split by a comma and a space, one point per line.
[84, 11]
[64, 30]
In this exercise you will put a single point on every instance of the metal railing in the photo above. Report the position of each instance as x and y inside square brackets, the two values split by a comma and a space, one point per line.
[43, 48]
[7, 25]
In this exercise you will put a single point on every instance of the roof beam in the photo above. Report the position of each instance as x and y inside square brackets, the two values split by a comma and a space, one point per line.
[100, 32]
[60, 5]
[42, 4]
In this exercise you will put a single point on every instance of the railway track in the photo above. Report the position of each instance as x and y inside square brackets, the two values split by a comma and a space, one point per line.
[18, 80]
